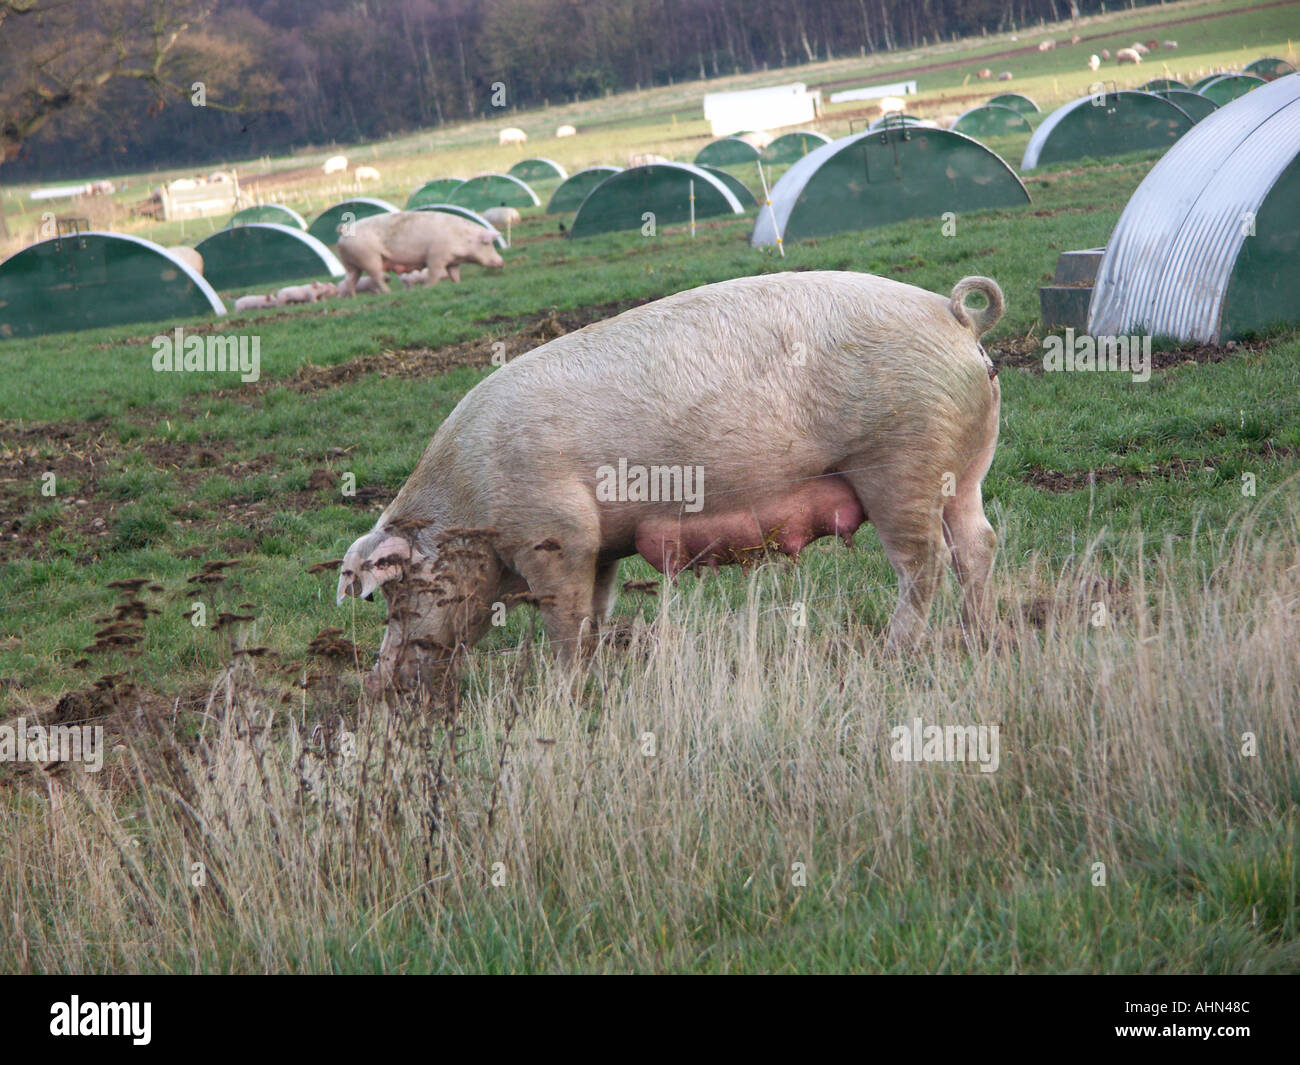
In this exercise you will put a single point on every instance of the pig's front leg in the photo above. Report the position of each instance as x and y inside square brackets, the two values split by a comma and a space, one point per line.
[559, 561]
[606, 590]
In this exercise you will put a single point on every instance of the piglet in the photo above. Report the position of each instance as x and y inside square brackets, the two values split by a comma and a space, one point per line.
[305, 293]
[252, 303]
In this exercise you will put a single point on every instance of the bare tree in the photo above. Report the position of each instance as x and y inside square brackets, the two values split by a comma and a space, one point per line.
[60, 55]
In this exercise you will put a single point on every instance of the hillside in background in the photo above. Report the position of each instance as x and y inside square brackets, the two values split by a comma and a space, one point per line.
[348, 70]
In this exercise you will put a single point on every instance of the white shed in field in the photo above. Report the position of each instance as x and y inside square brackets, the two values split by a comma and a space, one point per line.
[770, 108]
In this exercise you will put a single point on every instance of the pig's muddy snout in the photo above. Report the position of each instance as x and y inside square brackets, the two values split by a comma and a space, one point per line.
[439, 597]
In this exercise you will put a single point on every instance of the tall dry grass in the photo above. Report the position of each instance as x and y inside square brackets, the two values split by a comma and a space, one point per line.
[718, 793]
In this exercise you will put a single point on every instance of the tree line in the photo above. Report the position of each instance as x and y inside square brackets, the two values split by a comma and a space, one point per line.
[99, 86]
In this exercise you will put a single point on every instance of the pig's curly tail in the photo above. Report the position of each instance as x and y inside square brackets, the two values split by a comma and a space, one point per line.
[978, 319]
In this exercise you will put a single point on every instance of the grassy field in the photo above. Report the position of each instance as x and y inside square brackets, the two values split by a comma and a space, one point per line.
[254, 815]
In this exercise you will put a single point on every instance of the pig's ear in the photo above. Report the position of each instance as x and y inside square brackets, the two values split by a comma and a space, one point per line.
[375, 559]
[487, 237]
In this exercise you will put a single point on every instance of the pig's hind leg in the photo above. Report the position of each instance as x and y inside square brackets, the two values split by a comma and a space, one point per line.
[906, 507]
[377, 277]
[973, 542]
[372, 265]
[969, 534]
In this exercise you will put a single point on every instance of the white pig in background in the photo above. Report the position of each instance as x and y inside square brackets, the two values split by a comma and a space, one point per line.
[189, 257]
[335, 164]
[503, 216]
[411, 240]
[366, 173]
[512, 135]
[306, 293]
[764, 410]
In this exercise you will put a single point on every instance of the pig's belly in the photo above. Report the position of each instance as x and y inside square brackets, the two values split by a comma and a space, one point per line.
[718, 535]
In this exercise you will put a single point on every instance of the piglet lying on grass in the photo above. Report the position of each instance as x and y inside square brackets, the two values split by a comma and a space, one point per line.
[253, 303]
[754, 414]
[306, 293]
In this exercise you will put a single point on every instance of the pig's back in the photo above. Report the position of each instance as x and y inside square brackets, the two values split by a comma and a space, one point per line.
[777, 354]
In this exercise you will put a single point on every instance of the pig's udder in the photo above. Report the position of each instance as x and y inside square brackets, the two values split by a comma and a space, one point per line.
[786, 522]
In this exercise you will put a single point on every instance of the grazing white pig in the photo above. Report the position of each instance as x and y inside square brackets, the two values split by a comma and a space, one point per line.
[253, 303]
[305, 293]
[984, 73]
[1140, 48]
[566, 131]
[1006, 75]
[411, 240]
[512, 135]
[335, 164]
[366, 173]
[1046, 46]
[1094, 63]
[1171, 45]
[769, 410]
[503, 216]
[188, 256]
[1105, 53]
[1127, 55]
